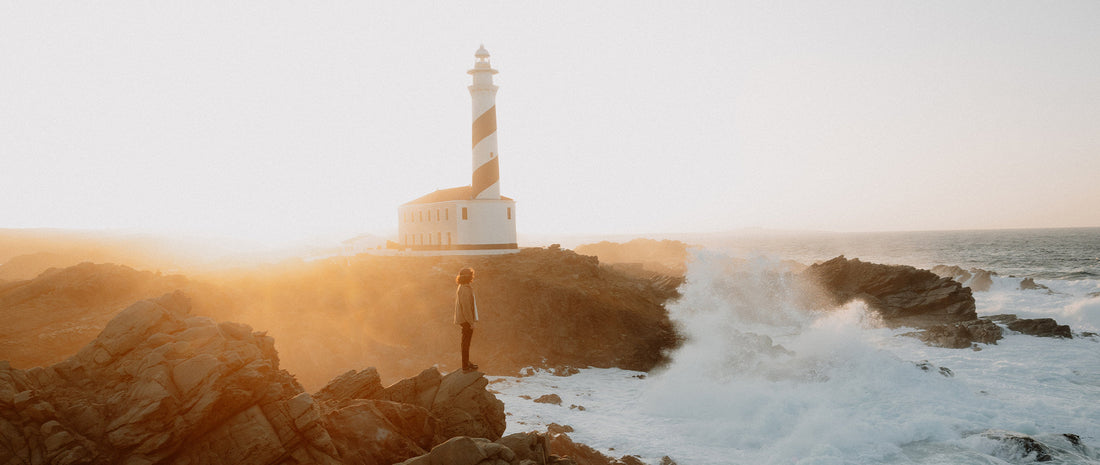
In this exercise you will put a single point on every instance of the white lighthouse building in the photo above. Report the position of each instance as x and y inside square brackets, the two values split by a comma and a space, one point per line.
[472, 219]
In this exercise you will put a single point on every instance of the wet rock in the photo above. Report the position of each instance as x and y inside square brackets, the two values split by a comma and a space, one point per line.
[977, 279]
[549, 399]
[1015, 446]
[961, 335]
[902, 295]
[1041, 327]
[925, 365]
[1030, 284]
[554, 428]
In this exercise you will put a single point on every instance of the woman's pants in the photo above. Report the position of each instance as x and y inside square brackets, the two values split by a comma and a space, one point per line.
[467, 334]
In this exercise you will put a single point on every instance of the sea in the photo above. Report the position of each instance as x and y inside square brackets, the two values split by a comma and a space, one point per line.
[760, 380]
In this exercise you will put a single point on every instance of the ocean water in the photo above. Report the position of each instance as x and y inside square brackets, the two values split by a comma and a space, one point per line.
[761, 380]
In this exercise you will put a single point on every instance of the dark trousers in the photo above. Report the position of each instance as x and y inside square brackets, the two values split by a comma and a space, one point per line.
[467, 333]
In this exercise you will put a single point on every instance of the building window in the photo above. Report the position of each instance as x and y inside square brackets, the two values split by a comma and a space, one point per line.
[509, 212]
[437, 214]
[447, 214]
[422, 216]
[464, 215]
[448, 238]
[439, 238]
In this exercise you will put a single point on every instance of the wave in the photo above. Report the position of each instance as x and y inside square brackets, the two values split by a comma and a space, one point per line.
[767, 381]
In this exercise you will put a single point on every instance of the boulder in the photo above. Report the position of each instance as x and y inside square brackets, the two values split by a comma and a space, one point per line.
[961, 335]
[902, 295]
[977, 279]
[465, 451]
[157, 385]
[528, 446]
[1041, 327]
[1029, 284]
[549, 399]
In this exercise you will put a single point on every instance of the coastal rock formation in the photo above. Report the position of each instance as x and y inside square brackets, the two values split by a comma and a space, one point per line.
[902, 295]
[977, 279]
[1041, 327]
[538, 308]
[1030, 284]
[962, 335]
[52, 316]
[159, 385]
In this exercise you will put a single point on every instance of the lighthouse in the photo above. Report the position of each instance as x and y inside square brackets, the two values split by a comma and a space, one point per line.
[472, 219]
[483, 96]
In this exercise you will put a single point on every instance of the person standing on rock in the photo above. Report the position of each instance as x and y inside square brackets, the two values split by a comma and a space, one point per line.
[465, 313]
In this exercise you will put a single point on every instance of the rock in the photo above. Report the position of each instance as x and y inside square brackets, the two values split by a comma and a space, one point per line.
[378, 431]
[465, 408]
[983, 331]
[554, 428]
[159, 385]
[902, 295]
[961, 335]
[465, 451]
[947, 336]
[982, 281]
[142, 393]
[528, 446]
[562, 445]
[1015, 446]
[1030, 284]
[925, 365]
[549, 399]
[952, 271]
[365, 384]
[977, 279]
[666, 460]
[1042, 327]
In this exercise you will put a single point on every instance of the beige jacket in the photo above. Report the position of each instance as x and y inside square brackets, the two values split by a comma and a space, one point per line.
[465, 306]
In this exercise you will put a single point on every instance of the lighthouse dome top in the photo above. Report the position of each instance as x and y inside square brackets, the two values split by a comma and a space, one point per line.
[481, 52]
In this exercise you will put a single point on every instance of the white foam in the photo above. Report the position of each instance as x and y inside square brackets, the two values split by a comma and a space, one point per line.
[760, 380]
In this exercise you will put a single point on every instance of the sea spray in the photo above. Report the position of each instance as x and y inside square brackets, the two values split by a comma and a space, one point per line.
[762, 376]
[762, 379]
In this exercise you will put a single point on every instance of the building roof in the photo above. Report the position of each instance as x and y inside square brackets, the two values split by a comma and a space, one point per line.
[446, 195]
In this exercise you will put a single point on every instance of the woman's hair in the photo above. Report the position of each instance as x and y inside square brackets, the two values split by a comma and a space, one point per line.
[465, 276]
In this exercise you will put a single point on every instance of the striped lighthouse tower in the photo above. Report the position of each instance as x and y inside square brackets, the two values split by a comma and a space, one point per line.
[483, 94]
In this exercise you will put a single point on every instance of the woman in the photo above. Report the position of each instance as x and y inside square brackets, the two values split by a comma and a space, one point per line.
[465, 313]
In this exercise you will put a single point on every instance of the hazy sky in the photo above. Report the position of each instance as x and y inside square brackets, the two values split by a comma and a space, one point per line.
[281, 120]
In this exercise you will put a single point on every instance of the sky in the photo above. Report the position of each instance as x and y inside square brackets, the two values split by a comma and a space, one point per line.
[282, 121]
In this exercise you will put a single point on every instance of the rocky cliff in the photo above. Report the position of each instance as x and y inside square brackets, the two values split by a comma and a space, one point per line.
[902, 295]
[159, 385]
[539, 307]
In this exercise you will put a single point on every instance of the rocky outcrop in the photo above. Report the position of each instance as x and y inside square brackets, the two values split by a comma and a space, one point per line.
[962, 335]
[1041, 327]
[902, 295]
[159, 385]
[977, 279]
[1027, 284]
[49, 318]
[390, 312]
